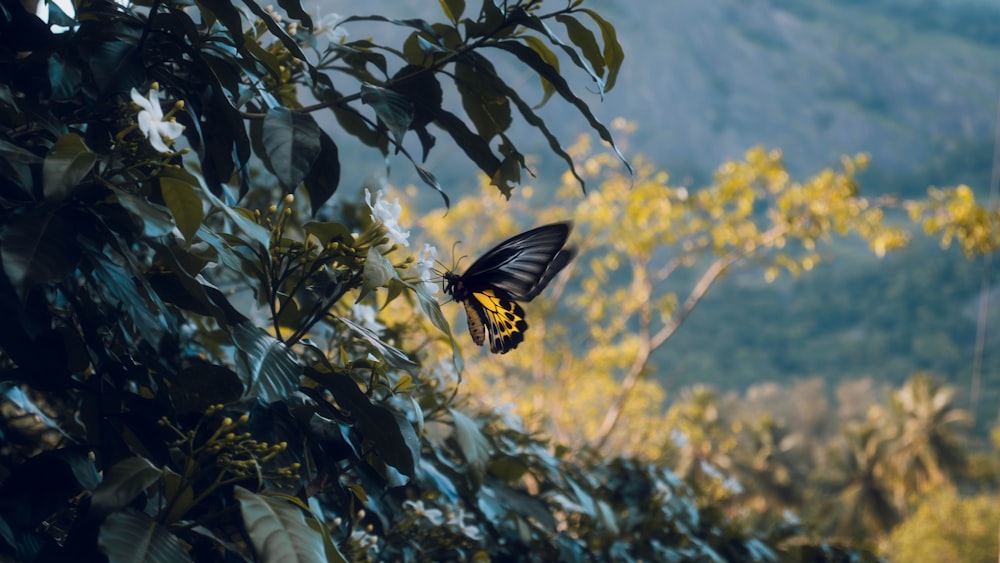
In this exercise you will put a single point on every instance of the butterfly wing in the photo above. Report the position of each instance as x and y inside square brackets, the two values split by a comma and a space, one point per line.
[517, 269]
[524, 264]
[501, 317]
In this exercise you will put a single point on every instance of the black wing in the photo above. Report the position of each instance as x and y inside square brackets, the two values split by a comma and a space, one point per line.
[524, 264]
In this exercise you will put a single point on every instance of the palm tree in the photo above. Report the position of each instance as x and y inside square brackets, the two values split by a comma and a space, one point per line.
[861, 505]
[770, 467]
[927, 451]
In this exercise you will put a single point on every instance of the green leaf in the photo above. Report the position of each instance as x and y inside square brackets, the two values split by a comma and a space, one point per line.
[200, 385]
[393, 437]
[550, 58]
[393, 356]
[38, 247]
[432, 309]
[254, 233]
[473, 145]
[131, 535]
[184, 204]
[294, 10]
[393, 109]
[267, 367]
[67, 164]
[115, 66]
[531, 58]
[485, 105]
[584, 39]
[328, 231]
[475, 448]
[453, 9]
[422, 89]
[532, 21]
[122, 482]
[324, 176]
[292, 142]
[278, 530]
[613, 52]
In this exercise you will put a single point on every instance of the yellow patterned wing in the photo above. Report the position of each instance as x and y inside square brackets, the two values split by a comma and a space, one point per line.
[502, 318]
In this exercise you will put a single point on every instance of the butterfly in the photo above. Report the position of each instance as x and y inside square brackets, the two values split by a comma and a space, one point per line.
[517, 269]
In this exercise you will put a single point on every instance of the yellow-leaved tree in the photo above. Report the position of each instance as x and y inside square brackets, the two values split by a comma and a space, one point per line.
[650, 252]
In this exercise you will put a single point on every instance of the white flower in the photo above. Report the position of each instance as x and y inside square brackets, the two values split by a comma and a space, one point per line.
[150, 119]
[425, 268]
[433, 515]
[325, 31]
[365, 315]
[388, 214]
[457, 522]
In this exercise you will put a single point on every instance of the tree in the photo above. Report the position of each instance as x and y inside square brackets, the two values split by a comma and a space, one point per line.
[948, 527]
[195, 368]
[927, 451]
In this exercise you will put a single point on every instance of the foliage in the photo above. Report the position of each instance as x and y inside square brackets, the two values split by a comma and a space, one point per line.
[186, 378]
[948, 527]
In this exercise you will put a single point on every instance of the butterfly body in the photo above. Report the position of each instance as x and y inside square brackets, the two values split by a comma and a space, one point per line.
[517, 269]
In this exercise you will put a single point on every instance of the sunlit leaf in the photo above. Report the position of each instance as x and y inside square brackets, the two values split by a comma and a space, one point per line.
[184, 204]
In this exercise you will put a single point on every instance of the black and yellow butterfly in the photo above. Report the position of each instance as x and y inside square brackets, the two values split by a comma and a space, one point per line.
[517, 269]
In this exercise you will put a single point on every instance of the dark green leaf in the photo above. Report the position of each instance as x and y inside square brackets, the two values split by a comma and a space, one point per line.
[294, 10]
[132, 294]
[292, 142]
[116, 66]
[324, 176]
[278, 30]
[487, 107]
[184, 204]
[392, 355]
[422, 89]
[474, 146]
[131, 535]
[122, 482]
[393, 437]
[200, 385]
[532, 21]
[432, 309]
[453, 9]
[64, 79]
[475, 448]
[67, 164]
[156, 219]
[393, 109]
[550, 58]
[584, 39]
[278, 530]
[613, 52]
[38, 247]
[266, 366]
[328, 232]
[531, 58]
